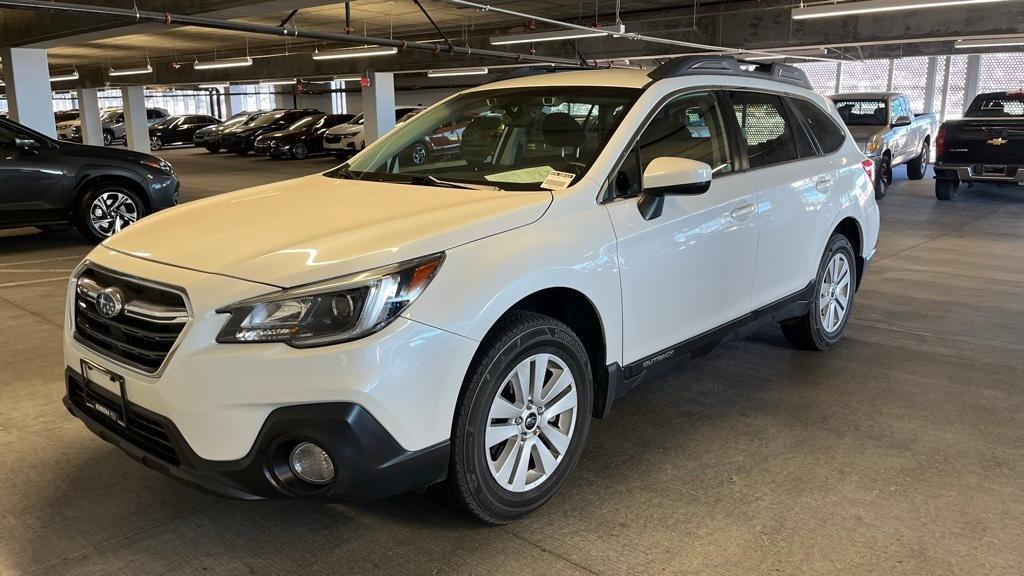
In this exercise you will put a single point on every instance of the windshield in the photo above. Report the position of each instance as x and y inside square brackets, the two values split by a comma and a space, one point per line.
[267, 119]
[997, 106]
[510, 139]
[306, 122]
[167, 122]
[863, 112]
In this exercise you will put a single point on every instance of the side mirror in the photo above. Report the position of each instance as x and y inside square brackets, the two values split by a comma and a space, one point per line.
[902, 121]
[26, 144]
[670, 176]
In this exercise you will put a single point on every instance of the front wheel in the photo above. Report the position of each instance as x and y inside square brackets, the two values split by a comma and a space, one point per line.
[212, 149]
[107, 209]
[945, 190]
[108, 138]
[884, 177]
[521, 420]
[299, 151]
[155, 143]
[834, 291]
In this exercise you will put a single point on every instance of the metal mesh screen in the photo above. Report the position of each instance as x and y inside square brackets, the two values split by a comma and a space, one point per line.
[865, 76]
[1001, 72]
[822, 75]
[957, 88]
[909, 76]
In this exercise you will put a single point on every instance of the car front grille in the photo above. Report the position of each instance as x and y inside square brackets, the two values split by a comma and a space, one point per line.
[332, 138]
[133, 322]
[129, 421]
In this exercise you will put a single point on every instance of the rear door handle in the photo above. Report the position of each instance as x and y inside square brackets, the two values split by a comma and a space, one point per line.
[823, 184]
[743, 212]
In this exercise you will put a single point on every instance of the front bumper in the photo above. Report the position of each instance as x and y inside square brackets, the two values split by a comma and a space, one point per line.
[1011, 174]
[369, 464]
[219, 400]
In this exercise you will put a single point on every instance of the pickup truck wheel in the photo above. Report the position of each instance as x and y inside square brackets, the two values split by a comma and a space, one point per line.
[945, 190]
[884, 178]
[106, 209]
[108, 138]
[521, 420]
[834, 292]
[917, 167]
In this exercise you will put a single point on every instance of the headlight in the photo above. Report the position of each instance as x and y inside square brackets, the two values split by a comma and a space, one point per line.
[871, 146]
[330, 312]
[160, 164]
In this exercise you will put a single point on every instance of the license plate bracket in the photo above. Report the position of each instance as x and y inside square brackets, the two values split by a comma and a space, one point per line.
[97, 376]
[993, 170]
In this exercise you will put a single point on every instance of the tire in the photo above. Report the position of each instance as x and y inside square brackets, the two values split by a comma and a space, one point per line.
[155, 144]
[108, 137]
[299, 151]
[419, 153]
[819, 329]
[945, 190]
[477, 481]
[212, 149]
[884, 178]
[106, 209]
[917, 167]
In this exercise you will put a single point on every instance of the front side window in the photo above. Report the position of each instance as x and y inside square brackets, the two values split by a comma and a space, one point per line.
[829, 135]
[510, 139]
[869, 112]
[689, 126]
[764, 128]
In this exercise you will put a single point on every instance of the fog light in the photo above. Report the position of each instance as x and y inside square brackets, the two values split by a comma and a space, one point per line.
[310, 463]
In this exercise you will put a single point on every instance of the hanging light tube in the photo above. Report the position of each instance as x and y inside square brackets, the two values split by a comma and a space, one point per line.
[276, 82]
[224, 63]
[456, 72]
[362, 52]
[147, 69]
[65, 77]
[554, 35]
[876, 6]
[990, 42]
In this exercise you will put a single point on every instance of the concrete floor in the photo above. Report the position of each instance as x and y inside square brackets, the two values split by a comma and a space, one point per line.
[898, 452]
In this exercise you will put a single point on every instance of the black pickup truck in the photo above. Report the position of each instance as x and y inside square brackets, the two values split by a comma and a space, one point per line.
[986, 145]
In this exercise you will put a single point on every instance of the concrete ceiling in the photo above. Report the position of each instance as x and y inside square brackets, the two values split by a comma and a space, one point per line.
[97, 43]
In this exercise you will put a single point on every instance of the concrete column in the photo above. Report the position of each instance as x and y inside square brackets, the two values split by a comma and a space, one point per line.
[378, 105]
[945, 91]
[929, 84]
[973, 76]
[136, 127]
[839, 76]
[29, 97]
[89, 115]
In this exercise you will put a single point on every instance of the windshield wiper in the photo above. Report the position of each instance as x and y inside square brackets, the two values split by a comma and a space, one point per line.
[421, 180]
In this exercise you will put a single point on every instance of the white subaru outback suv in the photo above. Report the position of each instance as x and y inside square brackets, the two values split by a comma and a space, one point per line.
[387, 326]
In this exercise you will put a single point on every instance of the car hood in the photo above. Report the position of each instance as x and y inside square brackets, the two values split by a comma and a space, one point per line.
[68, 124]
[861, 134]
[345, 129]
[313, 228]
[282, 135]
[101, 153]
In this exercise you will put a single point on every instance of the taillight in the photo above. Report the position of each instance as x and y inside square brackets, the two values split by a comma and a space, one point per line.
[940, 141]
[869, 168]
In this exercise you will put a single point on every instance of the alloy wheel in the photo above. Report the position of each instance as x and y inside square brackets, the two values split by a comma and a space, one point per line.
[419, 153]
[112, 211]
[834, 294]
[531, 422]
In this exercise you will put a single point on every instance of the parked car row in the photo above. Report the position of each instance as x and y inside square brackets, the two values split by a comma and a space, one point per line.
[112, 124]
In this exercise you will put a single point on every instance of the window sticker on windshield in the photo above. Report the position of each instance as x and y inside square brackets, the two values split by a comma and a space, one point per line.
[522, 176]
[558, 180]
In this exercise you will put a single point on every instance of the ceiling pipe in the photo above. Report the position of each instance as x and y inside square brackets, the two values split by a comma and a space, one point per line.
[245, 27]
[610, 32]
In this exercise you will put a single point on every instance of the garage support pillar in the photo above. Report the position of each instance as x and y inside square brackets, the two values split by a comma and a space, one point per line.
[89, 114]
[136, 126]
[973, 77]
[378, 105]
[929, 84]
[27, 79]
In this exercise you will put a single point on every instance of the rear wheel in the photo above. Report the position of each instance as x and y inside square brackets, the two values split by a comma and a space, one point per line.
[521, 420]
[419, 153]
[917, 167]
[155, 143]
[299, 151]
[107, 209]
[835, 287]
[945, 190]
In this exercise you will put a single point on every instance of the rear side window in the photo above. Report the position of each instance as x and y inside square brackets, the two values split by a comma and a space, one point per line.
[830, 136]
[765, 128]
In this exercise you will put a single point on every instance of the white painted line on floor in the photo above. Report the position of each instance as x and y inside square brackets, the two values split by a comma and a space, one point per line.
[42, 261]
[26, 282]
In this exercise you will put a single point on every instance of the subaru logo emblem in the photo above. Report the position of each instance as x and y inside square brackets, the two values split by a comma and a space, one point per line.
[110, 302]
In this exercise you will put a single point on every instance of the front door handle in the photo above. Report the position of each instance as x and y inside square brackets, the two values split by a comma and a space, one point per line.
[744, 212]
[823, 184]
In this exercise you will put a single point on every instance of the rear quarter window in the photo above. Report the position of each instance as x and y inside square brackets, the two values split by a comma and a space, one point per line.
[829, 135]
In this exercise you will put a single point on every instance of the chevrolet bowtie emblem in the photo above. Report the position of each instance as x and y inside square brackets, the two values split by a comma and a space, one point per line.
[997, 141]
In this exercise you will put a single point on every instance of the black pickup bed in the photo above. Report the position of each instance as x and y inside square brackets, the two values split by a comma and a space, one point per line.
[987, 144]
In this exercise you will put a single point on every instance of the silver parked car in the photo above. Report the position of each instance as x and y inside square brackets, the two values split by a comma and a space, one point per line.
[112, 120]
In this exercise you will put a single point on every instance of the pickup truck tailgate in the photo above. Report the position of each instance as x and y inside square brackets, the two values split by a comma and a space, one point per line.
[984, 141]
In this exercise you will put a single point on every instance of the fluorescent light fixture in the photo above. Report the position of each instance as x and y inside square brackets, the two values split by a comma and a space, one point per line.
[355, 52]
[554, 35]
[348, 78]
[456, 72]
[225, 63]
[130, 71]
[990, 42]
[65, 77]
[276, 82]
[213, 85]
[876, 6]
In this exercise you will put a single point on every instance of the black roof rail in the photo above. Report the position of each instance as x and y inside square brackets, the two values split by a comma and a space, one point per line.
[531, 71]
[730, 66]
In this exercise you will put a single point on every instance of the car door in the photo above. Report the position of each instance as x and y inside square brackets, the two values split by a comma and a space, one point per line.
[793, 183]
[901, 135]
[31, 177]
[690, 269]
